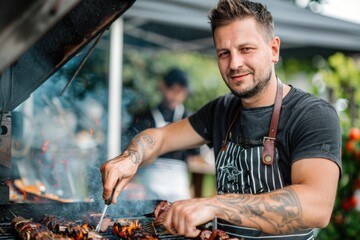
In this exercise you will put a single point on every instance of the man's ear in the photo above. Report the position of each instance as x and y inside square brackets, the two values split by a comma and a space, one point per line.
[275, 49]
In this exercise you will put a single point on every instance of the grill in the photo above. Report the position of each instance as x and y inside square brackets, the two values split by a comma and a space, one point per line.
[132, 210]
[37, 38]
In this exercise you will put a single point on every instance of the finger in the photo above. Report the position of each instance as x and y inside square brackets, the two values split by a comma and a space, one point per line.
[174, 232]
[102, 171]
[177, 220]
[118, 189]
[109, 185]
[192, 232]
[168, 223]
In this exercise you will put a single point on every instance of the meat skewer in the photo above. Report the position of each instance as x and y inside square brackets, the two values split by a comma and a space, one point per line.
[29, 230]
[60, 229]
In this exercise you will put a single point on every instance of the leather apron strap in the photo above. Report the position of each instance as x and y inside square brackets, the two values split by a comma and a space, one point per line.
[269, 141]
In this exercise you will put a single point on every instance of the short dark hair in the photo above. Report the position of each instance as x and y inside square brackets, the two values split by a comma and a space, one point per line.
[227, 11]
[176, 76]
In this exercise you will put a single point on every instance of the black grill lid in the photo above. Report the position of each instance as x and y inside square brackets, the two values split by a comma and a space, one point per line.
[38, 37]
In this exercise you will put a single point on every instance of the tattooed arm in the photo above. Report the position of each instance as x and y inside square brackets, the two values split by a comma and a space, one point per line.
[143, 148]
[308, 203]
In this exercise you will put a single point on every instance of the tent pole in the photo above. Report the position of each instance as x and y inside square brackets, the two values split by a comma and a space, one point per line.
[115, 88]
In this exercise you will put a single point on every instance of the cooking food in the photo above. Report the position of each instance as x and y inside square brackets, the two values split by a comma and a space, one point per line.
[27, 229]
[160, 210]
[78, 229]
[216, 234]
[129, 229]
[54, 227]
[141, 228]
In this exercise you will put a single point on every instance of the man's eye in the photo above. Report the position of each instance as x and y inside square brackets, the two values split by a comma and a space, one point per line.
[223, 54]
[246, 49]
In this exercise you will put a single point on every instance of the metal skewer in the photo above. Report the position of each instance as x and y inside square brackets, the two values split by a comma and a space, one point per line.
[12, 213]
[107, 203]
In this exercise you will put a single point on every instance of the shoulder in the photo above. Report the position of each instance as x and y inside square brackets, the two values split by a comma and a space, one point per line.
[299, 101]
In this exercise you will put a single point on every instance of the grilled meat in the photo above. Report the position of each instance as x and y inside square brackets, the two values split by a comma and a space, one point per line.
[160, 210]
[54, 228]
[29, 230]
[216, 234]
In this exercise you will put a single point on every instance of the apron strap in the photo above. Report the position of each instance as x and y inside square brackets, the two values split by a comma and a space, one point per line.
[269, 141]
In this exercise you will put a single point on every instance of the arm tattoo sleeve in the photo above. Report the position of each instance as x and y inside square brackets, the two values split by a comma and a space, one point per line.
[281, 210]
[138, 147]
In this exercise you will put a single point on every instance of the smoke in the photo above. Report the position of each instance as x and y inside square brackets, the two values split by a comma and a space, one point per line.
[63, 138]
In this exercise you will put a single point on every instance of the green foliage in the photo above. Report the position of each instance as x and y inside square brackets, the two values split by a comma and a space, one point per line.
[344, 224]
[342, 74]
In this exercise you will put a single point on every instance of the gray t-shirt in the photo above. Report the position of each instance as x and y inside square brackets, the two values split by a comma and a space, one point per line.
[308, 128]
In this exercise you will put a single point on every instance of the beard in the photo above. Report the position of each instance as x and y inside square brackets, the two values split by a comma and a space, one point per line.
[260, 85]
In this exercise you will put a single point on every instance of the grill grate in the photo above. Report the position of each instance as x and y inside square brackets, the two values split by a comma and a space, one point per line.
[148, 225]
[7, 232]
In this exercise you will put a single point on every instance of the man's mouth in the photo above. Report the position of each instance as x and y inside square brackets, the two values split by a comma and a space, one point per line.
[239, 77]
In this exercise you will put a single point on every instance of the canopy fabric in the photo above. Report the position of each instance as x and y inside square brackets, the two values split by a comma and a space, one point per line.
[183, 24]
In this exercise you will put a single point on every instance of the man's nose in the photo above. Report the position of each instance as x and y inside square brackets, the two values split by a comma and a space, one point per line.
[236, 61]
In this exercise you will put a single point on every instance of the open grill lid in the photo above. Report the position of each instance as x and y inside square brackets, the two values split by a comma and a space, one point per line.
[38, 37]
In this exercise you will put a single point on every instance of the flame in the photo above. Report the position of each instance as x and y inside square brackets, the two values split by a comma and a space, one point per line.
[133, 226]
[82, 231]
[80, 234]
[126, 231]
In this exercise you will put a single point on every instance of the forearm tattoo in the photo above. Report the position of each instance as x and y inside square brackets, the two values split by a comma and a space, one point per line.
[282, 210]
[138, 146]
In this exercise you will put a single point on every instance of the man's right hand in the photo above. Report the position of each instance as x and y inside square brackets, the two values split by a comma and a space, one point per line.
[117, 173]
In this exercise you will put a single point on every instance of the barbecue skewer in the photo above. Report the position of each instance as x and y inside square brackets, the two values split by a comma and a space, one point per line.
[107, 203]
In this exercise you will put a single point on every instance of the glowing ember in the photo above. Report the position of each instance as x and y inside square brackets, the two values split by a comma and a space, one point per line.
[127, 229]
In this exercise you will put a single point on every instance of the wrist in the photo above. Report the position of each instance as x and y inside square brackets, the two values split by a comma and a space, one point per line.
[133, 156]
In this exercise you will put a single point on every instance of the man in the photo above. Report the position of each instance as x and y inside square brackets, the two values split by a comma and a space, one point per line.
[280, 193]
[171, 166]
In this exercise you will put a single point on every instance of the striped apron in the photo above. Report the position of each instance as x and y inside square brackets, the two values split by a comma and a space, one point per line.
[240, 170]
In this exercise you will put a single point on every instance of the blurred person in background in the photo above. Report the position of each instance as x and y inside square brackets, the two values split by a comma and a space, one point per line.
[168, 176]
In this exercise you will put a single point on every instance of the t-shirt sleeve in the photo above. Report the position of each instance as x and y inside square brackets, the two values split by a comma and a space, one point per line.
[202, 120]
[317, 134]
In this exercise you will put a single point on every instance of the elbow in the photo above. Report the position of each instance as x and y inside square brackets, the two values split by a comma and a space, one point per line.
[322, 220]
[322, 223]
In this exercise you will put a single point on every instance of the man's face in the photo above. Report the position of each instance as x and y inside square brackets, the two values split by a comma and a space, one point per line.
[245, 59]
[174, 95]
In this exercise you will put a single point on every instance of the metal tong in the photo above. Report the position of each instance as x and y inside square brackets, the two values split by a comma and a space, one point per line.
[107, 203]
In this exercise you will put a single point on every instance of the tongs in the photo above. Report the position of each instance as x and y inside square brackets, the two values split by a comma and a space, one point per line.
[107, 203]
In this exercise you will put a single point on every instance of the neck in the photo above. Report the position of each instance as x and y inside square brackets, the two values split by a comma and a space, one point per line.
[265, 97]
